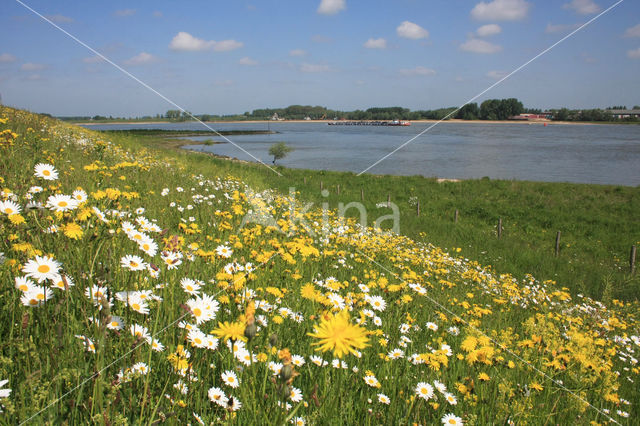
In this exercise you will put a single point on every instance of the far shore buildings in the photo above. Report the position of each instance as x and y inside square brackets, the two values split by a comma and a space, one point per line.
[624, 113]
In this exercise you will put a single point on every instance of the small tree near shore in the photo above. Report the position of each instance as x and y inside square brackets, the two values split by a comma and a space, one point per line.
[279, 151]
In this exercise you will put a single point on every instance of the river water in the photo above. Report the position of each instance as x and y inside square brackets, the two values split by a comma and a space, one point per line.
[603, 154]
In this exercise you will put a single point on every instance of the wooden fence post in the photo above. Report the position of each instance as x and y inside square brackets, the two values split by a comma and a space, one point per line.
[558, 243]
[321, 188]
[499, 228]
[388, 199]
[361, 194]
[305, 180]
[455, 217]
[418, 208]
[338, 190]
[632, 260]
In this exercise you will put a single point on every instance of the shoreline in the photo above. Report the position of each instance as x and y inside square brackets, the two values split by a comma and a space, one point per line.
[453, 120]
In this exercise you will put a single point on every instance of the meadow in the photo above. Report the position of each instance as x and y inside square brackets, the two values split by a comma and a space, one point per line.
[135, 290]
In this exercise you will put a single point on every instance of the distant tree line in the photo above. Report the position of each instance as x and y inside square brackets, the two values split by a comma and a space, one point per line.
[491, 109]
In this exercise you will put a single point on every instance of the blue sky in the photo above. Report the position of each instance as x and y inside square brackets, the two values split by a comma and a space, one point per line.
[226, 57]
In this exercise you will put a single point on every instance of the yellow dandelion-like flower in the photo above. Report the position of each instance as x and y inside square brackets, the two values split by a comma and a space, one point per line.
[73, 230]
[233, 331]
[337, 334]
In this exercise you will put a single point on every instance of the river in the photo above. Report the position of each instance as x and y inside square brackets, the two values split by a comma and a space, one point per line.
[603, 154]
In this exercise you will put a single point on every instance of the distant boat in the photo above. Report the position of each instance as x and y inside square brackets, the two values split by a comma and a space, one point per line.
[369, 123]
[399, 123]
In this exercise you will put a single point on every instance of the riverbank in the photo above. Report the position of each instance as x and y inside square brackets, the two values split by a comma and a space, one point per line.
[548, 122]
[598, 223]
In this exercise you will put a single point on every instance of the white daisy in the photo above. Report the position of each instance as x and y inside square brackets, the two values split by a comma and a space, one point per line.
[42, 268]
[46, 171]
[8, 207]
[61, 203]
[230, 379]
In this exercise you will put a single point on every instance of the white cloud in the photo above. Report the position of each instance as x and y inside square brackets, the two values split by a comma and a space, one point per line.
[376, 43]
[31, 66]
[497, 75]
[500, 10]
[125, 12]
[410, 30]
[247, 61]
[489, 30]
[297, 52]
[560, 28]
[34, 77]
[634, 54]
[583, 7]
[331, 7]
[633, 31]
[142, 58]
[59, 19]
[5, 58]
[417, 71]
[186, 42]
[92, 59]
[480, 46]
[314, 68]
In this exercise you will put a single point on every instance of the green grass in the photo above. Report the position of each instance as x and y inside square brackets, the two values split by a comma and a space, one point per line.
[598, 223]
[512, 334]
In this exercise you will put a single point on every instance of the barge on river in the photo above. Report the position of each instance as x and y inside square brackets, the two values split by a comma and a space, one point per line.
[368, 123]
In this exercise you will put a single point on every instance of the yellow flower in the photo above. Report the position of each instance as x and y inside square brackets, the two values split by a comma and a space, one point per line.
[336, 333]
[233, 331]
[73, 230]
[16, 219]
[537, 386]
[483, 377]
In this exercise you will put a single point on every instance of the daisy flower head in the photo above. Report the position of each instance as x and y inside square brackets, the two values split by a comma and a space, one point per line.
[133, 263]
[79, 195]
[24, 284]
[440, 386]
[295, 395]
[4, 393]
[451, 399]
[148, 246]
[140, 332]
[384, 399]
[396, 353]
[138, 303]
[172, 260]
[41, 268]
[432, 326]
[197, 338]
[451, 420]
[224, 251]
[230, 379]
[203, 308]
[61, 203]
[217, 395]
[424, 390]
[115, 323]
[372, 381]
[36, 296]
[298, 421]
[377, 303]
[87, 343]
[8, 207]
[190, 286]
[234, 404]
[62, 282]
[297, 360]
[45, 171]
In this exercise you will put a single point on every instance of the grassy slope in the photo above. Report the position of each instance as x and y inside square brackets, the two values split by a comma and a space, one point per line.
[598, 223]
[44, 361]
